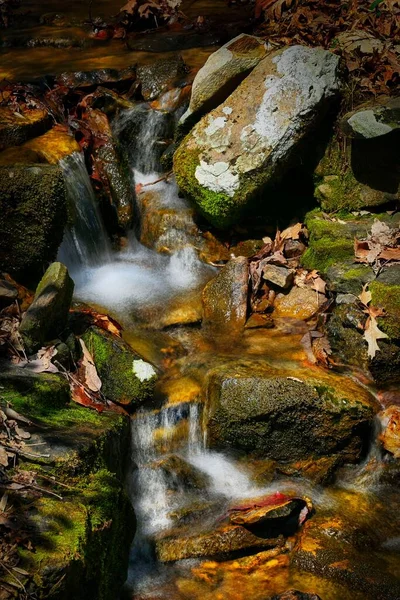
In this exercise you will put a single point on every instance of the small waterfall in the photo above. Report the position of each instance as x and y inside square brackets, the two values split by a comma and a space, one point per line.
[142, 132]
[85, 241]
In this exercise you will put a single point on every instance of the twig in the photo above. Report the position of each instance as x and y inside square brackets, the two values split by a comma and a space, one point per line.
[54, 481]
[21, 585]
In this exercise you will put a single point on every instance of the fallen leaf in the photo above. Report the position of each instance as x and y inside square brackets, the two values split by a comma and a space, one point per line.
[365, 295]
[3, 457]
[91, 378]
[372, 334]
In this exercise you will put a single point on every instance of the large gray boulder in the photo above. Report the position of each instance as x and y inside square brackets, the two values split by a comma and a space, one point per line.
[46, 318]
[221, 74]
[373, 119]
[248, 141]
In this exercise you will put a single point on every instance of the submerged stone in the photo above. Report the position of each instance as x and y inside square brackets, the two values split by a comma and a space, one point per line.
[160, 76]
[248, 141]
[46, 318]
[221, 542]
[225, 299]
[126, 377]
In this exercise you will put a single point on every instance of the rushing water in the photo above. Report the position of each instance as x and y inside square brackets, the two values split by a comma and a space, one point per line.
[135, 279]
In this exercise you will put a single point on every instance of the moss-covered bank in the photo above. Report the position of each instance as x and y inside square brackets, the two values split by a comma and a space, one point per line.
[80, 543]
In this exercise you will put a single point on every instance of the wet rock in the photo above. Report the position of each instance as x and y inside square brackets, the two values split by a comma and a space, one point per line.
[221, 74]
[85, 79]
[390, 437]
[160, 76]
[219, 543]
[113, 172]
[33, 214]
[344, 549]
[259, 320]
[8, 293]
[225, 299]
[126, 377]
[299, 303]
[46, 318]
[170, 228]
[271, 515]
[279, 276]
[246, 248]
[247, 142]
[53, 146]
[17, 128]
[285, 418]
[373, 119]
[180, 474]
[173, 99]
[296, 595]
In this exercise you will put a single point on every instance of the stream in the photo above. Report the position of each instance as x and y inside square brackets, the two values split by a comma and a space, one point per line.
[138, 286]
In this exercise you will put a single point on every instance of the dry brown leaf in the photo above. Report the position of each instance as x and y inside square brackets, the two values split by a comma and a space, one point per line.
[3, 457]
[372, 334]
[92, 380]
[292, 232]
[365, 295]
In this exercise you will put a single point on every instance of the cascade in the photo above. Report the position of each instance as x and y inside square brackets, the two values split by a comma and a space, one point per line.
[135, 278]
[85, 241]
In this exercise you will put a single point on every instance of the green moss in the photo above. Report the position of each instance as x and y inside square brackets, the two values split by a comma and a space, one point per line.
[219, 209]
[82, 542]
[34, 393]
[325, 252]
[111, 527]
[387, 297]
[114, 362]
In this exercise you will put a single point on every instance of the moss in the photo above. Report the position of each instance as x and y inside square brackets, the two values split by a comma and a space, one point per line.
[111, 530]
[387, 297]
[323, 253]
[34, 393]
[218, 209]
[82, 542]
[114, 361]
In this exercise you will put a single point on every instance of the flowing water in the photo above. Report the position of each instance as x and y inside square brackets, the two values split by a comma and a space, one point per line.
[178, 486]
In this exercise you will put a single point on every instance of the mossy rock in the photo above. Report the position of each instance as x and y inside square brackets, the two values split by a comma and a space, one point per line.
[46, 390]
[272, 415]
[82, 542]
[46, 318]
[33, 214]
[387, 296]
[126, 378]
[359, 175]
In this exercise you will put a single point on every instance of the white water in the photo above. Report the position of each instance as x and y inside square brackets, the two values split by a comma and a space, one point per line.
[136, 277]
